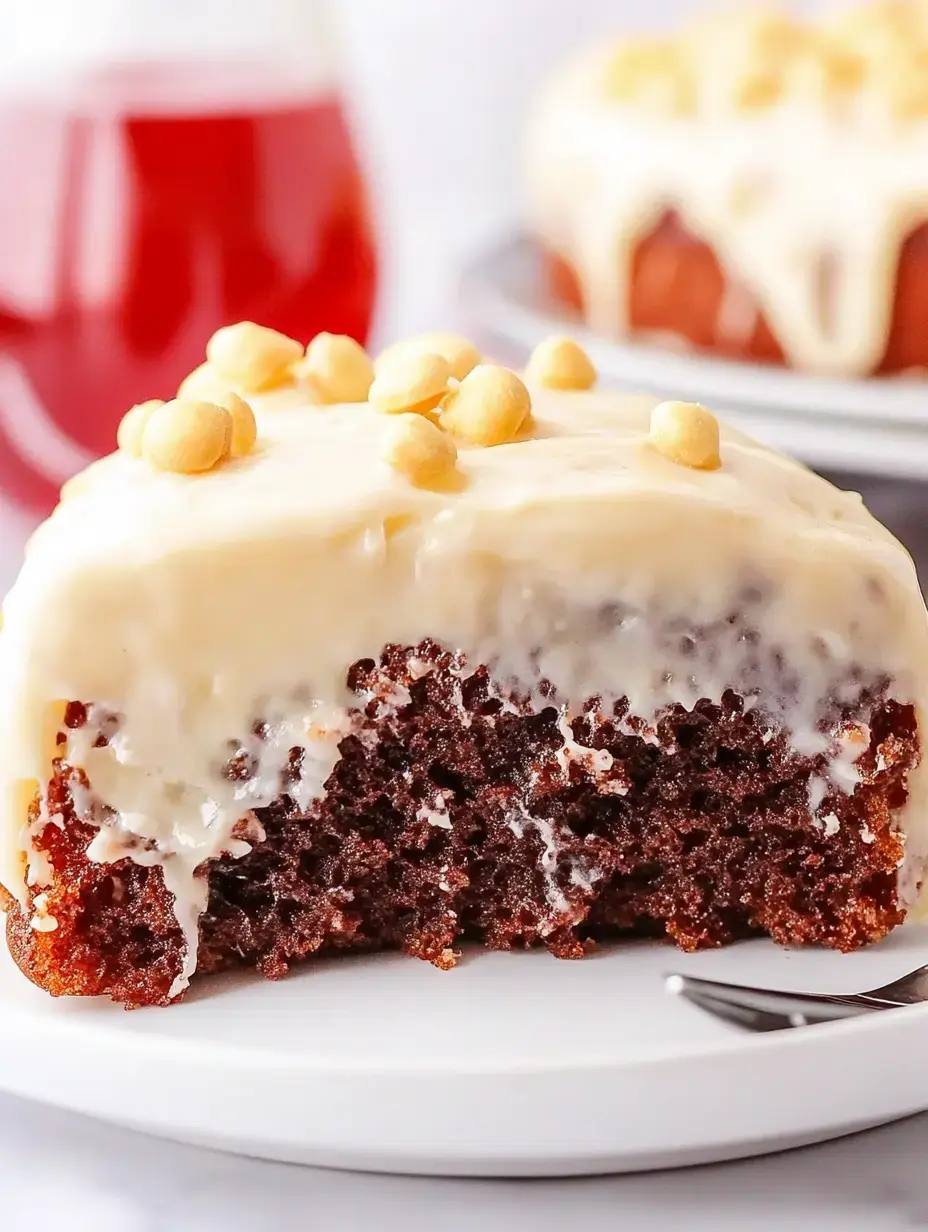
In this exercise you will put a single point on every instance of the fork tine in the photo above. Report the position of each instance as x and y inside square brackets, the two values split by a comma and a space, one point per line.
[762, 1009]
[735, 1014]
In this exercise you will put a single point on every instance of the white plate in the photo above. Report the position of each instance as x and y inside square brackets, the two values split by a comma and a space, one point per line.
[513, 1064]
[873, 427]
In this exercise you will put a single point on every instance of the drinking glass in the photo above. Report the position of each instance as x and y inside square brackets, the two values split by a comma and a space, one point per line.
[162, 172]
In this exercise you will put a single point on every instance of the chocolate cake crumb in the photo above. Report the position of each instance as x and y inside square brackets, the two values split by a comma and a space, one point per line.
[459, 811]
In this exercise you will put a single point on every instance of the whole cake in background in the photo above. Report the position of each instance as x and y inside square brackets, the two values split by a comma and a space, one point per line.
[752, 185]
[335, 655]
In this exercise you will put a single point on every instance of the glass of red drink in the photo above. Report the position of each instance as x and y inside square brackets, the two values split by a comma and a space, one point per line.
[157, 185]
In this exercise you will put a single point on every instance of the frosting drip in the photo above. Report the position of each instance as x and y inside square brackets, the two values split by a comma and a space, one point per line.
[805, 182]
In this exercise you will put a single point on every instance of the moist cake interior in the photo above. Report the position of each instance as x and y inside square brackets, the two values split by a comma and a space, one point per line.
[698, 829]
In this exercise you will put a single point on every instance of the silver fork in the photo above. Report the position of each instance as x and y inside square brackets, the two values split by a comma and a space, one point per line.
[764, 1009]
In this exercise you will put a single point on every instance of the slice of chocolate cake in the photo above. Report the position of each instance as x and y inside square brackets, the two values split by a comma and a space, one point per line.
[312, 662]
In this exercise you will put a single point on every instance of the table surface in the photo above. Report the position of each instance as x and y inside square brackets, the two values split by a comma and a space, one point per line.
[68, 1171]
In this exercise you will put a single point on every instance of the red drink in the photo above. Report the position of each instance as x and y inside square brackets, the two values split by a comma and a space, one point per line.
[143, 208]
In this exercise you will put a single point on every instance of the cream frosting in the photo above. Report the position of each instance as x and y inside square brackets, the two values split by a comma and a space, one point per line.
[806, 200]
[185, 609]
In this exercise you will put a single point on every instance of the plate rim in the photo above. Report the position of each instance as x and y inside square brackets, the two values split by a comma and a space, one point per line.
[629, 1113]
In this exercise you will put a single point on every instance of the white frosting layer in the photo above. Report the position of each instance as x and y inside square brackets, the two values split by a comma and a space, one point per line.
[806, 204]
[186, 609]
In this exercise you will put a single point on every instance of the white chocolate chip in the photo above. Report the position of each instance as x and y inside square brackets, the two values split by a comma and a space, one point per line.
[339, 368]
[489, 407]
[252, 356]
[560, 363]
[132, 425]
[419, 449]
[187, 437]
[244, 425]
[687, 434]
[416, 382]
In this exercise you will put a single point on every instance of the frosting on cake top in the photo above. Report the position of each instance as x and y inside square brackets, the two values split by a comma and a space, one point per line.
[605, 547]
[797, 150]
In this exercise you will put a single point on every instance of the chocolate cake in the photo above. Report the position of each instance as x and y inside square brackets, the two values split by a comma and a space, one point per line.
[478, 658]
[694, 189]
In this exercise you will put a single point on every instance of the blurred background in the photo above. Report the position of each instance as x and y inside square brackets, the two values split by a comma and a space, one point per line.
[168, 166]
[440, 93]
